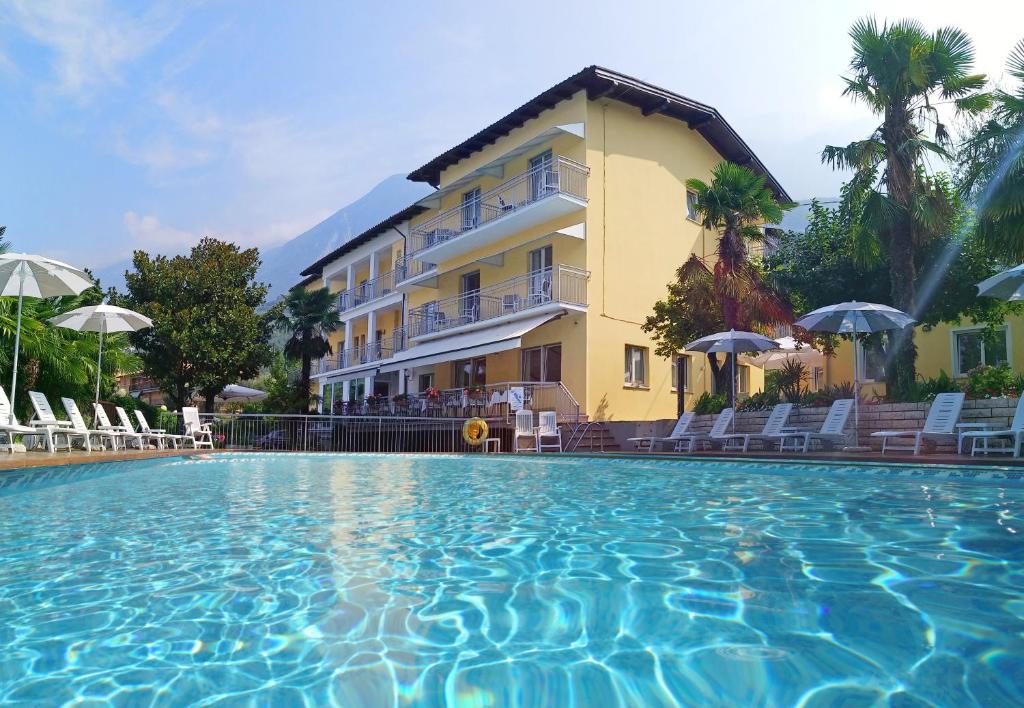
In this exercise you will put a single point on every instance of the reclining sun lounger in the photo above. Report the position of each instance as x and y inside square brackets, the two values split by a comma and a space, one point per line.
[771, 433]
[939, 425]
[681, 427]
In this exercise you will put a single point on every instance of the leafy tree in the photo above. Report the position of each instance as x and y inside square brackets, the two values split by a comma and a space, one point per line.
[207, 330]
[308, 317]
[732, 294]
[278, 380]
[901, 72]
[992, 161]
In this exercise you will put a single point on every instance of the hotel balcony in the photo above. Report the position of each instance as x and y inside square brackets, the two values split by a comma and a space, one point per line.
[367, 354]
[548, 191]
[548, 289]
[369, 291]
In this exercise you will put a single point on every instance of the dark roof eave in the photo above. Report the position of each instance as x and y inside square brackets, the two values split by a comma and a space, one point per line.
[370, 233]
[599, 82]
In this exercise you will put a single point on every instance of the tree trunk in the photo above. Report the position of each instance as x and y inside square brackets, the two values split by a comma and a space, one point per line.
[305, 373]
[721, 373]
[208, 401]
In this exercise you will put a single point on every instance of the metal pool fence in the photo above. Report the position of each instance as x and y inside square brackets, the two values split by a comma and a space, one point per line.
[328, 433]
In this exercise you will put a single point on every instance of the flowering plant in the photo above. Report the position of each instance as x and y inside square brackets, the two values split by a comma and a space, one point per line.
[433, 394]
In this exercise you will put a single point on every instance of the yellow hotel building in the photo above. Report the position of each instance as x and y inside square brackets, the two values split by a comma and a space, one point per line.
[549, 237]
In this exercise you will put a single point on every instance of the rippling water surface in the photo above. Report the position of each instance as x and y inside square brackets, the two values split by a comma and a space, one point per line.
[375, 581]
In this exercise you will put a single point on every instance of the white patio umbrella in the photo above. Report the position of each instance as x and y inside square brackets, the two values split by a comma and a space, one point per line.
[102, 319]
[855, 318]
[732, 342]
[234, 392]
[1008, 285]
[25, 275]
[788, 350]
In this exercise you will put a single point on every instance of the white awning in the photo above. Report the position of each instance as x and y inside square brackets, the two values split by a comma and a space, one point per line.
[464, 346]
[335, 377]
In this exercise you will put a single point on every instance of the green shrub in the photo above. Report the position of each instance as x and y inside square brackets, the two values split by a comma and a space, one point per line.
[760, 401]
[791, 380]
[707, 403]
[926, 389]
[991, 381]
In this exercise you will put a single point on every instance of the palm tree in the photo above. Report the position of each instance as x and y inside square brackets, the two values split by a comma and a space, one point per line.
[903, 73]
[993, 168]
[732, 294]
[309, 316]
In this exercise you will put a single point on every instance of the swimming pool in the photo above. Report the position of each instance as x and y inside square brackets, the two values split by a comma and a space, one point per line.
[497, 580]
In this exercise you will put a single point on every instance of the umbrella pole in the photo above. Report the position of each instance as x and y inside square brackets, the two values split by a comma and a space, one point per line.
[17, 345]
[856, 390]
[99, 363]
[735, 407]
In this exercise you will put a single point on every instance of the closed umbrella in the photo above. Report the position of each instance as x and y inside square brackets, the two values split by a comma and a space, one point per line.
[102, 319]
[234, 392]
[732, 342]
[25, 275]
[855, 318]
[1008, 285]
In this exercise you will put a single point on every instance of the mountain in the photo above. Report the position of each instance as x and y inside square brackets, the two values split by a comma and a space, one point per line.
[797, 218]
[282, 264]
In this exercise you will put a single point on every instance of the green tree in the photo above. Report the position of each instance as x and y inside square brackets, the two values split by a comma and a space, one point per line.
[732, 293]
[207, 329]
[308, 317]
[901, 73]
[992, 162]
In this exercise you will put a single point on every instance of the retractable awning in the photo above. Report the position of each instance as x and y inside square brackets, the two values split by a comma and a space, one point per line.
[464, 346]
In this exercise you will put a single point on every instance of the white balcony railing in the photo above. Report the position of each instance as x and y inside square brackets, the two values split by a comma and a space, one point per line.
[366, 354]
[368, 290]
[562, 284]
[409, 268]
[560, 176]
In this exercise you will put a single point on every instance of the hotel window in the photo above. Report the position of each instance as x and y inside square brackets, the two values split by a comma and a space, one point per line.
[471, 209]
[543, 363]
[681, 365]
[538, 262]
[469, 372]
[743, 379]
[691, 205]
[542, 176]
[425, 381]
[636, 366]
[871, 358]
[974, 349]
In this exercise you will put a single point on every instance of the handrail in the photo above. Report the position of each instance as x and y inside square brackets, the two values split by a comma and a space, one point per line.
[365, 354]
[383, 284]
[562, 284]
[559, 176]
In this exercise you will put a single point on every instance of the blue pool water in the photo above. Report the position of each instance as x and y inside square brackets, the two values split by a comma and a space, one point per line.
[373, 581]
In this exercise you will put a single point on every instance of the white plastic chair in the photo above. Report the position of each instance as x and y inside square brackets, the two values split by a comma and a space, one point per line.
[144, 437]
[524, 429]
[199, 430]
[548, 429]
[1015, 434]
[833, 429]
[176, 440]
[125, 434]
[78, 423]
[52, 429]
[681, 427]
[9, 426]
[688, 442]
[772, 431]
[939, 425]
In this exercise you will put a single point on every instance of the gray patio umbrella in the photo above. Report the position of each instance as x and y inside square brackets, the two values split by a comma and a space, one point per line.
[102, 319]
[855, 318]
[1008, 285]
[732, 342]
[234, 392]
[24, 275]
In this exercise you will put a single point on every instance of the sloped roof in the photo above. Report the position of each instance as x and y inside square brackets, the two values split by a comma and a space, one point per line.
[366, 236]
[599, 82]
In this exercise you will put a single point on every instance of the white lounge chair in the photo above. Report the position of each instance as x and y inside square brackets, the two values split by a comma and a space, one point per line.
[772, 432]
[939, 425]
[681, 427]
[9, 427]
[833, 429]
[144, 438]
[123, 434]
[524, 430]
[1014, 435]
[175, 440]
[548, 430]
[52, 429]
[78, 423]
[689, 441]
[194, 427]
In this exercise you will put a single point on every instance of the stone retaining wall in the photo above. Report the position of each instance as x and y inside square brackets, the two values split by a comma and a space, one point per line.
[997, 412]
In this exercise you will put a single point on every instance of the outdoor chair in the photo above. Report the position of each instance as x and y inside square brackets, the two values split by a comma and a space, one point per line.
[9, 426]
[681, 428]
[103, 423]
[175, 440]
[548, 430]
[939, 425]
[773, 429]
[52, 429]
[832, 431]
[1014, 435]
[145, 438]
[200, 431]
[524, 430]
[688, 441]
[78, 423]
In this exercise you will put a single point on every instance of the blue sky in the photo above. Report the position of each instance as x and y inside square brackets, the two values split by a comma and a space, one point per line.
[146, 125]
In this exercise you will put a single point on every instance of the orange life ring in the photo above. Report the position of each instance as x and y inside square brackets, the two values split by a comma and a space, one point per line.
[474, 431]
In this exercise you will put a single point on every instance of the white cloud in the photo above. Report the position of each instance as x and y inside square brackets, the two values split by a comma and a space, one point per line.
[148, 233]
[91, 41]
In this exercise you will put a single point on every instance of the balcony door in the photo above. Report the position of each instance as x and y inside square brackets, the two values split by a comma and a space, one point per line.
[471, 209]
[470, 296]
[540, 171]
[539, 267]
